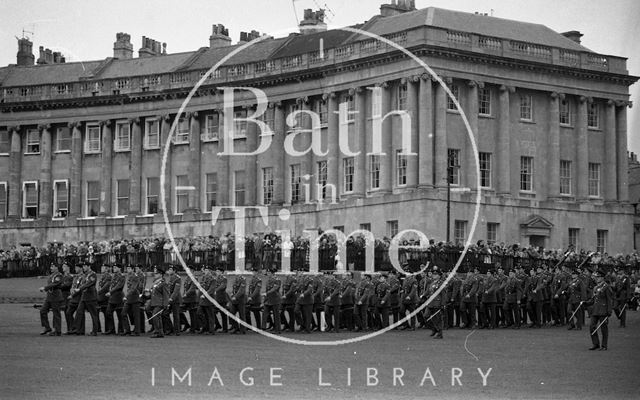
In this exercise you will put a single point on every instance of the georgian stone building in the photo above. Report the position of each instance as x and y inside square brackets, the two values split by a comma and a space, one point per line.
[81, 143]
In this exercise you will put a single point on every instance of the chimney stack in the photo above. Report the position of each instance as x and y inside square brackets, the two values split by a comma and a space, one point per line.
[399, 7]
[122, 47]
[219, 37]
[151, 48]
[246, 37]
[49, 57]
[573, 35]
[25, 55]
[313, 22]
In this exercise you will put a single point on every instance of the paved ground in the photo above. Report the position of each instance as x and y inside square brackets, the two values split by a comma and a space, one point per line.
[544, 363]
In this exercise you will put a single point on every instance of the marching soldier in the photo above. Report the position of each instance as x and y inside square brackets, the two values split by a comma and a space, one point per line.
[436, 306]
[103, 300]
[159, 301]
[394, 295]
[52, 302]
[409, 300]
[65, 288]
[272, 301]
[577, 294]
[318, 304]
[175, 299]
[288, 302]
[88, 300]
[346, 301]
[602, 301]
[622, 290]
[468, 299]
[190, 305]
[560, 285]
[512, 300]
[131, 309]
[205, 306]
[238, 299]
[535, 297]
[254, 299]
[332, 303]
[383, 293]
[71, 313]
[222, 298]
[304, 303]
[114, 301]
[363, 292]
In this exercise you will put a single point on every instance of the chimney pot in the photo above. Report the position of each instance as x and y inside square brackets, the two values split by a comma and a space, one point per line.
[25, 55]
[122, 48]
[573, 35]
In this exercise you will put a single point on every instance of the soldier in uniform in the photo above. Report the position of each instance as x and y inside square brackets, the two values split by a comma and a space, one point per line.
[577, 294]
[52, 302]
[409, 300]
[523, 281]
[602, 302]
[394, 295]
[436, 307]
[131, 309]
[289, 288]
[222, 298]
[103, 300]
[622, 289]
[453, 302]
[468, 301]
[363, 292]
[383, 294]
[205, 306]
[304, 303]
[114, 301]
[238, 303]
[159, 301]
[489, 300]
[190, 305]
[174, 285]
[535, 298]
[272, 301]
[502, 281]
[512, 300]
[142, 284]
[318, 304]
[88, 300]
[559, 289]
[346, 301]
[65, 288]
[74, 301]
[332, 303]
[254, 299]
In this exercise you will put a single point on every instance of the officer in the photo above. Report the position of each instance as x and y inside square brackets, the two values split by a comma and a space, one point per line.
[190, 305]
[159, 301]
[602, 302]
[272, 302]
[622, 290]
[114, 301]
[453, 305]
[560, 292]
[512, 300]
[346, 301]
[71, 313]
[332, 303]
[383, 295]
[52, 302]
[65, 288]
[205, 306]
[88, 300]
[175, 299]
[535, 297]
[222, 298]
[238, 303]
[363, 292]
[142, 285]
[318, 301]
[409, 300]
[489, 300]
[289, 288]
[436, 307]
[468, 301]
[131, 308]
[577, 294]
[103, 300]
[304, 302]
[254, 299]
[394, 294]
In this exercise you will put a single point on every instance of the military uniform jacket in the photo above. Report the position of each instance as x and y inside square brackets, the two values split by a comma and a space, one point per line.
[348, 291]
[512, 291]
[305, 291]
[502, 281]
[383, 294]
[253, 297]
[190, 295]
[623, 288]
[363, 291]
[174, 285]
[317, 290]
[221, 290]
[602, 300]
[159, 293]
[54, 294]
[490, 292]
[289, 290]
[238, 290]
[104, 284]
[209, 286]
[453, 289]
[332, 292]
[469, 288]
[75, 285]
[577, 291]
[523, 280]
[394, 288]
[142, 281]
[535, 288]
[88, 287]
[272, 296]
[115, 288]
[132, 292]
[410, 290]
[441, 299]
[560, 284]
[65, 286]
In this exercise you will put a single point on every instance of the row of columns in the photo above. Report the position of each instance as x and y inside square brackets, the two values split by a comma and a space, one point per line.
[428, 112]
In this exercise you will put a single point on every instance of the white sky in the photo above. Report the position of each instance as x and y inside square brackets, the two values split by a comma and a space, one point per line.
[86, 30]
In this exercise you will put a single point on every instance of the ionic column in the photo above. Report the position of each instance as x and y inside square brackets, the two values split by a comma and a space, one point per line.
[553, 150]
[504, 148]
[412, 109]
[46, 203]
[15, 171]
[165, 129]
[621, 153]
[582, 150]
[224, 170]
[386, 160]
[136, 167]
[194, 161]
[250, 162]
[360, 161]
[107, 154]
[279, 171]
[333, 158]
[441, 156]
[426, 136]
[469, 164]
[75, 184]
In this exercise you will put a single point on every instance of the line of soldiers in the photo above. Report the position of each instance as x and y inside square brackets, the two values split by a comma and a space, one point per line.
[297, 302]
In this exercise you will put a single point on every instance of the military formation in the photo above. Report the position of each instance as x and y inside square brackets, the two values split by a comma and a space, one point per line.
[301, 302]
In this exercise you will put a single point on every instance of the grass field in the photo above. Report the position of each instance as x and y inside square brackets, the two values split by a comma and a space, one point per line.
[529, 363]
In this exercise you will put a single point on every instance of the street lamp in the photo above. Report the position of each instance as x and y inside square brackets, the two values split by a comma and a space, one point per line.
[452, 168]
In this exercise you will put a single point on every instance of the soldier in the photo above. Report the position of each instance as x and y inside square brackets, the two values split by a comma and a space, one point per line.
[453, 302]
[190, 305]
[254, 299]
[622, 289]
[52, 302]
[205, 306]
[394, 295]
[602, 301]
[523, 281]
[304, 303]
[72, 306]
[577, 294]
[332, 303]
[436, 306]
[502, 281]
[175, 299]
[238, 299]
[288, 302]
[114, 301]
[512, 300]
[468, 301]
[383, 294]
[131, 309]
[103, 300]
[65, 288]
[159, 301]
[142, 285]
[535, 298]
[222, 298]
[272, 301]
[423, 286]
[546, 277]
[318, 304]
[489, 300]
[363, 292]
[88, 300]
[409, 300]
[346, 301]
[559, 289]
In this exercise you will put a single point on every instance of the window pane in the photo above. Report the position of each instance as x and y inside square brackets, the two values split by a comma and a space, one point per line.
[211, 191]
[63, 139]
[239, 187]
[5, 143]
[182, 196]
